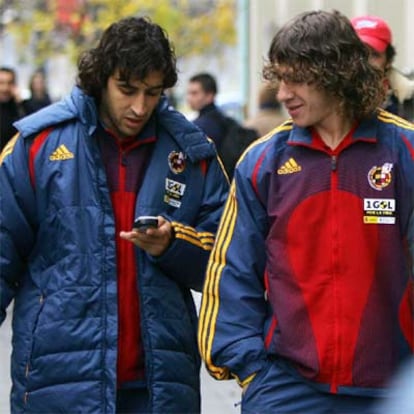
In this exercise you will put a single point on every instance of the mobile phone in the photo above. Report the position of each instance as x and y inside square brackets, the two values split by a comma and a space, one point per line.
[142, 223]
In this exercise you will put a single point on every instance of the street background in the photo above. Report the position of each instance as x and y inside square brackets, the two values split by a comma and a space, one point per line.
[236, 65]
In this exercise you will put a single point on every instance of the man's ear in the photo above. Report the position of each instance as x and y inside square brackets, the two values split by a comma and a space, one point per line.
[210, 97]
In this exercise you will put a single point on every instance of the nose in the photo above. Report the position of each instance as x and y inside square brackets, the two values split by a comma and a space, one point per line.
[139, 104]
[284, 92]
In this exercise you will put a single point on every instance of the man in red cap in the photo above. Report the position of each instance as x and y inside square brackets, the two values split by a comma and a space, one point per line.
[377, 35]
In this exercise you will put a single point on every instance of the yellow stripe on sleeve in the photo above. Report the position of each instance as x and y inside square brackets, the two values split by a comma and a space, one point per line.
[205, 240]
[211, 303]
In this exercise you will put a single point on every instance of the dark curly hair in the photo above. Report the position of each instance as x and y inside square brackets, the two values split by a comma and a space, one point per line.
[134, 45]
[322, 48]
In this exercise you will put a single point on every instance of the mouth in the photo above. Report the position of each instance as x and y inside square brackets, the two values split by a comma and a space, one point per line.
[293, 110]
[134, 121]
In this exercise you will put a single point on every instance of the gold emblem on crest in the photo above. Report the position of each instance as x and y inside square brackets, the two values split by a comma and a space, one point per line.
[176, 162]
[380, 177]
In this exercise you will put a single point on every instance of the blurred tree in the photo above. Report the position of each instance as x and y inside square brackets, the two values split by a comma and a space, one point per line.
[48, 27]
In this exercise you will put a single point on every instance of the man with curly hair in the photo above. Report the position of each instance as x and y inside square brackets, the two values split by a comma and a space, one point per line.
[104, 319]
[308, 298]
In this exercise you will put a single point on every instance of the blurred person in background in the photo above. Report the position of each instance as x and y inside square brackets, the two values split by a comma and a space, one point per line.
[201, 97]
[104, 320]
[11, 108]
[377, 35]
[308, 295]
[172, 97]
[39, 96]
[230, 137]
[269, 114]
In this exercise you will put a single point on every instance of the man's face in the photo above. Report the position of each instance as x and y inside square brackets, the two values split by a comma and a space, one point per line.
[378, 59]
[7, 85]
[306, 105]
[125, 107]
[197, 98]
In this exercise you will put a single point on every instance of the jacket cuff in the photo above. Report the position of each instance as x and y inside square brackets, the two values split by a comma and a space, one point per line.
[249, 371]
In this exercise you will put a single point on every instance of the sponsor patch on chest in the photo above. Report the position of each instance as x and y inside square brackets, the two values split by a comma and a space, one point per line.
[174, 192]
[379, 210]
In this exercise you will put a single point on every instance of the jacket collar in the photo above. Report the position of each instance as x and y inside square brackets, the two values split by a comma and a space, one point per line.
[365, 131]
[187, 135]
[83, 107]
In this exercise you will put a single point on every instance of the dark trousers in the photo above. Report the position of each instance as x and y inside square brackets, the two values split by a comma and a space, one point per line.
[275, 391]
[132, 400]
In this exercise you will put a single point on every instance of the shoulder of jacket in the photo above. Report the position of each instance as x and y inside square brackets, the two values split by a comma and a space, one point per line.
[280, 133]
[76, 105]
[386, 118]
[275, 140]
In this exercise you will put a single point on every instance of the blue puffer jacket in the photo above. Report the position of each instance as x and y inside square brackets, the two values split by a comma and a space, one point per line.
[57, 260]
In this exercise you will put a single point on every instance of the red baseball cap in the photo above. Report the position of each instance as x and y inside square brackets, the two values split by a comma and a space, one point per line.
[373, 31]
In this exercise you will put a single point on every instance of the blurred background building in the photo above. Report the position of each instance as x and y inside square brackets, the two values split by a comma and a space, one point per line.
[266, 16]
[228, 38]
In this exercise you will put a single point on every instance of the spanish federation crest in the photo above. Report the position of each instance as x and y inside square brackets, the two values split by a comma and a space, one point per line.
[176, 161]
[380, 177]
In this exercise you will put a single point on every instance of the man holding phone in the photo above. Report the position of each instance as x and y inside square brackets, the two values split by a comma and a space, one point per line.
[104, 319]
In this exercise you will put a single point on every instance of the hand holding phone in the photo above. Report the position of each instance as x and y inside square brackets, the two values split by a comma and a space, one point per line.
[142, 223]
[155, 243]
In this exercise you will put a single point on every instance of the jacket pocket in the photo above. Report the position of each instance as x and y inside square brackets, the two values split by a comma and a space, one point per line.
[29, 357]
[256, 381]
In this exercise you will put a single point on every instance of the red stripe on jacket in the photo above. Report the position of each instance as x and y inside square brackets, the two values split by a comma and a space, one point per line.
[34, 149]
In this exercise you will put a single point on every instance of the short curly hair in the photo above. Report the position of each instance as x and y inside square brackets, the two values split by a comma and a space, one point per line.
[135, 46]
[322, 48]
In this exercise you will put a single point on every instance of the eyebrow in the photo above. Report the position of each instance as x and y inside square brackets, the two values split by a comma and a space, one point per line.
[150, 87]
[153, 86]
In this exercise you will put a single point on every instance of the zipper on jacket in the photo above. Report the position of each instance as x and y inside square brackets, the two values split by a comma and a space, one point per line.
[123, 158]
[334, 162]
[28, 363]
[122, 170]
[334, 258]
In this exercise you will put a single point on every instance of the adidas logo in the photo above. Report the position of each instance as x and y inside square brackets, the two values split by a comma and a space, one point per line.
[61, 153]
[289, 167]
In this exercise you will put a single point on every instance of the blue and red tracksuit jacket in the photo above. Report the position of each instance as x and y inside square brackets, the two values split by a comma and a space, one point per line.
[313, 259]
